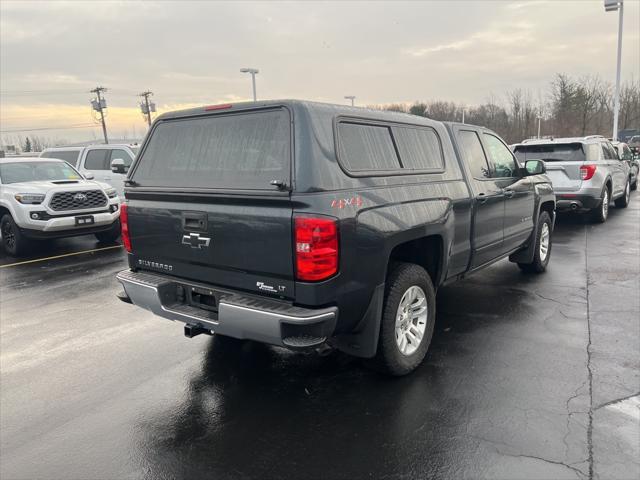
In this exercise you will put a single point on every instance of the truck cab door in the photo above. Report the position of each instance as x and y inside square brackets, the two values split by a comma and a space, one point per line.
[488, 217]
[518, 192]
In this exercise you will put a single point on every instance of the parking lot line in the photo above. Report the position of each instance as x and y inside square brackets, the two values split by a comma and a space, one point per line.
[60, 256]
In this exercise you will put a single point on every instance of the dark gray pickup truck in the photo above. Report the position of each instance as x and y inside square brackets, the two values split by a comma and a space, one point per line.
[306, 225]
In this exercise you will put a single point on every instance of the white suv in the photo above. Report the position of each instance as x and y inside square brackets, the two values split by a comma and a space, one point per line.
[47, 198]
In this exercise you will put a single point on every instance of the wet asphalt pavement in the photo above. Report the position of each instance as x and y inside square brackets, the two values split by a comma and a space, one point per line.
[527, 377]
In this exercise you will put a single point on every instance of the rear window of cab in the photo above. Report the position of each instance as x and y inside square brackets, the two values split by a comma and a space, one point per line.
[366, 149]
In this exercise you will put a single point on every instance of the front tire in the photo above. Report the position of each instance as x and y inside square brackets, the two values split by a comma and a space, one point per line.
[408, 319]
[14, 243]
[623, 201]
[109, 236]
[542, 249]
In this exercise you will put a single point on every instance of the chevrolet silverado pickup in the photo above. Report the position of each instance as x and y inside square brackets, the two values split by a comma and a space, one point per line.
[307, 225]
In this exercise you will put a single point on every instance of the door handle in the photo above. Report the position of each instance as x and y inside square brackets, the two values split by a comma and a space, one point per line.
[508, 193]
[482, 197]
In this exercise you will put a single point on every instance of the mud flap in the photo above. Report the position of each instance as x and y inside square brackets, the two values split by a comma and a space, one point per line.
[363, 342]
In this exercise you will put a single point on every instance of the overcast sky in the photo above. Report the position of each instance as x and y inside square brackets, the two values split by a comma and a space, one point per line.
[190, 53]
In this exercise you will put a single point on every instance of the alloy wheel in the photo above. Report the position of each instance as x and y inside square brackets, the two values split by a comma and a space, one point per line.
[544, 242]
[8, 236]
[411, 320]
[605, 204]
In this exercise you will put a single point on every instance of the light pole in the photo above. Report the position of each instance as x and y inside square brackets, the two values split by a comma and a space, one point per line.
[350, 97]
[463, 110]
[612, 6]
[253, 72]
[539, 120]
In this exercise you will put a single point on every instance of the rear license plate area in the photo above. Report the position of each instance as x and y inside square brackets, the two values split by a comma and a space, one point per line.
[84, 220]
[198, 297]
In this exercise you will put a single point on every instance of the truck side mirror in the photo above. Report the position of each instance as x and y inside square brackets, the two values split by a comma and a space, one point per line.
[535, 167]
[118, 166]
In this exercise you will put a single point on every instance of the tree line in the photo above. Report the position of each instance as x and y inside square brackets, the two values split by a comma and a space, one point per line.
[569, 107]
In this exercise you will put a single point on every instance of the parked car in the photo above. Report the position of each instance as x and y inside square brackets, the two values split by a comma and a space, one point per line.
[634, 144]
[108, 163]
[71, 155]
[626, 134]
[585, 171]
[301, 224]
[48, 198]
[625, 154]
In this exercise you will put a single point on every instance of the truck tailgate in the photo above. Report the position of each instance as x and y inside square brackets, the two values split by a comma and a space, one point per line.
[236, 243]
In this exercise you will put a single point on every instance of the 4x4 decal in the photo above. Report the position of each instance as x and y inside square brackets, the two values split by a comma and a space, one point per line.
[341, 203]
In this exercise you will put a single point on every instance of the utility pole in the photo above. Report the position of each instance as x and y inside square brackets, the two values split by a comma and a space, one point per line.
[612, 6]
[147, 107]
[463, 110]
[99, 105]
[253, 72]
[350, 97]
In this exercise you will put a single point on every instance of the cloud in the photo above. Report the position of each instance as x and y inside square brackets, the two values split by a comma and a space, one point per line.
[190, 52]
[516, 35]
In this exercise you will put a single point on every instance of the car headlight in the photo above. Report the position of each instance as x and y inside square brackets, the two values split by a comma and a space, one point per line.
[29, 198]
[111, 192]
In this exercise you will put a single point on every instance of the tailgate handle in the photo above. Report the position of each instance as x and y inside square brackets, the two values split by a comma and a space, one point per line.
[194, 221]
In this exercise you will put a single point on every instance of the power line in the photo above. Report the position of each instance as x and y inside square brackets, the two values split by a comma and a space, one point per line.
[19, 93]
[38, 129]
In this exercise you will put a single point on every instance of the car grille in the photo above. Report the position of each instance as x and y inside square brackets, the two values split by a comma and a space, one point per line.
[77, 200]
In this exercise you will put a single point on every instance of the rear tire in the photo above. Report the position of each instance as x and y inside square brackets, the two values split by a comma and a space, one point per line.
[14, 243]
[623, 201]
[601, 212]
[542, 249]
[109, 236]
[408, 313]
[634, 185]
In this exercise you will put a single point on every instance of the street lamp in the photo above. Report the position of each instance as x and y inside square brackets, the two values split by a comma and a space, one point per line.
[253, 72]
[612, 6]
[350, 97]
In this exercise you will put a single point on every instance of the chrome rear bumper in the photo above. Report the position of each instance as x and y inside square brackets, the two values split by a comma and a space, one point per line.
[234, 314]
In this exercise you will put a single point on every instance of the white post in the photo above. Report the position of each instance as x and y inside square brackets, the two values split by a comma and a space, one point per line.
[616, 107]
[463, 115]
[253, 81]
[539, 119]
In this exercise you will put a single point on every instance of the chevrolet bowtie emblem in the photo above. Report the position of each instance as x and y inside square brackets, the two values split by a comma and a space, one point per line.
[194, 240]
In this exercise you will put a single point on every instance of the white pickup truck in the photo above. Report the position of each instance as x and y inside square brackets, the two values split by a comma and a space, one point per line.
[107, 163]
[47, 198]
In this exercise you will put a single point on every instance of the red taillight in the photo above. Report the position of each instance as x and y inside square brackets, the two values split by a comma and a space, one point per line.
[587, 171]
[316, 248]
[124, 227]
